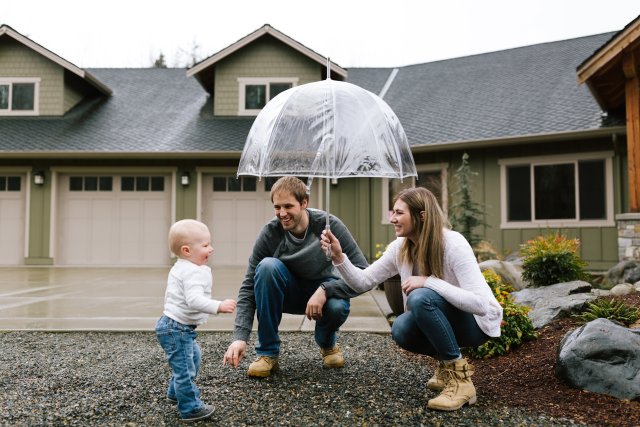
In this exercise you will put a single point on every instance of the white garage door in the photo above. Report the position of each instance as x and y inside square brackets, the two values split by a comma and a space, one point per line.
[113, 220]
[235, 210]
[12, 215]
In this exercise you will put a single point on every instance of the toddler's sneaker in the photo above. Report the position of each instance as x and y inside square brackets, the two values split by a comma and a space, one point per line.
[201, 414]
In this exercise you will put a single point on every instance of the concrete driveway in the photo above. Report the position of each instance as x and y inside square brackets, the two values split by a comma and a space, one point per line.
[122, 298]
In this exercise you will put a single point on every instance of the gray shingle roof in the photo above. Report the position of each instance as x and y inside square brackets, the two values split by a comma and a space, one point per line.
[517, 92]
[151, 110]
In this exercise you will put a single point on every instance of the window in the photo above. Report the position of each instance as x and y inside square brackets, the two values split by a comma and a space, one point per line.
[256, 92]
[557, 192]
[19, 96]
[431, 177]
[90, 183]
[10, 183]
[231, 183]
[142, 183]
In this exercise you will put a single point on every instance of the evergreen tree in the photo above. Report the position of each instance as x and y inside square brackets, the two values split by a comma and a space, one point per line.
[466, 215]
[160, 62]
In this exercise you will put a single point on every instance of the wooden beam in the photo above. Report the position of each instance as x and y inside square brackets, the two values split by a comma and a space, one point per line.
[632, 96]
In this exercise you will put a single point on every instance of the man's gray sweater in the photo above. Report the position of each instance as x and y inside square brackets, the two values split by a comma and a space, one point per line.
[305, 259]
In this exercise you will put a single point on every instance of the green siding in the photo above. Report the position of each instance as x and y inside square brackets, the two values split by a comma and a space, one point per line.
[266, 57]
[39, 223]
[17, 60]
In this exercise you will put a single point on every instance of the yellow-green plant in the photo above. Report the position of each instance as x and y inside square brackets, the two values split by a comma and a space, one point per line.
[380, 248]
[516, 327]
[551, 259]
[608, 309]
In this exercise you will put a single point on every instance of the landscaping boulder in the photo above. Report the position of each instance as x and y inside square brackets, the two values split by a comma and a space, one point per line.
[602, 357]
[509, 272]
[550, 302]
[623, 272]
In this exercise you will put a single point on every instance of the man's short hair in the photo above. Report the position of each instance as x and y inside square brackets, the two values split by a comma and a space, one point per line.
[291, 185]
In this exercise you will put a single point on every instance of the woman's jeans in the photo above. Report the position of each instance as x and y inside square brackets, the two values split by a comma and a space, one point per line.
[434, 327]
[183, 354]
[278, 291]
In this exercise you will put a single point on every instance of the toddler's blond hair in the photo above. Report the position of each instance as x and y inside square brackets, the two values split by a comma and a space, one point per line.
[182, 233]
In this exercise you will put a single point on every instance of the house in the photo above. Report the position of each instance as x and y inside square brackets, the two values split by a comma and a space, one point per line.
[96, 164]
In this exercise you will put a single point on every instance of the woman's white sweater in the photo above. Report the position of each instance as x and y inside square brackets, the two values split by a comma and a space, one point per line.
[462, 285]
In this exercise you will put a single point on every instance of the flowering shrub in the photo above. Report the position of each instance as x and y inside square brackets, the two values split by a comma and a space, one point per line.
[551, 259]
[380, 248]
[515, 329]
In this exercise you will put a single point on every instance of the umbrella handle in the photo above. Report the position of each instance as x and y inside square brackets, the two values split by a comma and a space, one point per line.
[327, 252]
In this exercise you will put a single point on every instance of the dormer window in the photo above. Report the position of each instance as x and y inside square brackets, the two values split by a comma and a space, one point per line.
[254, 93]
[19, 96]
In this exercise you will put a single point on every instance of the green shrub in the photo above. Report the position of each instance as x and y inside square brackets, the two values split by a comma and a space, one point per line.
[550, 260]
[516, 327]
[609, 309]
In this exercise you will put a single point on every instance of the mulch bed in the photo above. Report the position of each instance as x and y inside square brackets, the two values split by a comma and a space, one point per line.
[525, 378]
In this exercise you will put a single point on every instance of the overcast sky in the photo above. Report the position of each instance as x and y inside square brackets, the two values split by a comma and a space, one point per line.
[353, 33]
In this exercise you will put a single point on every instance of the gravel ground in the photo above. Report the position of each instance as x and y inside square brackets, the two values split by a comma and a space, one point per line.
[119, 379]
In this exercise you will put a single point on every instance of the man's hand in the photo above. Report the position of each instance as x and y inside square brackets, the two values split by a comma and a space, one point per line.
[315, 304]
[235, 353]
[227, 306]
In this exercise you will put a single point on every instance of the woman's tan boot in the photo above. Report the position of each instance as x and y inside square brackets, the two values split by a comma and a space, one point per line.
[436, 382]
[458, 389]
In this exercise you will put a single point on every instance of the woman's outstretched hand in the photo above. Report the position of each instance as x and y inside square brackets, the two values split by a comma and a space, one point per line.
[329, 242]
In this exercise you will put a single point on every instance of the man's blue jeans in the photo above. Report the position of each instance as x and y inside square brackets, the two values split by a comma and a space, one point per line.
[278, 291]
[183, 354]
[434, 327]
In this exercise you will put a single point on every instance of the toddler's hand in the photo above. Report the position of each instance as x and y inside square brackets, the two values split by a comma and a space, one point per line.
[227, 306]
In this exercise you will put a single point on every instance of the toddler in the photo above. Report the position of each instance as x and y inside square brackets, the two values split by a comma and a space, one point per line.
[187, 304]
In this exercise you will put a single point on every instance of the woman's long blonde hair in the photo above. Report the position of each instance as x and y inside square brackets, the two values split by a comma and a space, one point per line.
[428, 253]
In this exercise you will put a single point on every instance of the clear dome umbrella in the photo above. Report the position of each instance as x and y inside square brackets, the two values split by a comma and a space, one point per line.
[327, 129]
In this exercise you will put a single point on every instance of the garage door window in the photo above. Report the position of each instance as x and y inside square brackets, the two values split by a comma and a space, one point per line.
[231, 183]
[90, 183]
[142, 183]
[9, 183]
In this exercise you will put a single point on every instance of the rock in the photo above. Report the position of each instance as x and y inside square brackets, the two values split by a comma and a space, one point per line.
[623, 272]
[550, 302]
[509, 272]
[602, 357]
[622, 289]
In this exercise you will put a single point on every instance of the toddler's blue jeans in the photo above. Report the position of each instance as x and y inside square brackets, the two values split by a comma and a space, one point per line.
[183, 354]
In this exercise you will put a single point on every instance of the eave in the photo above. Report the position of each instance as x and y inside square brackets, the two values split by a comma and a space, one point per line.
[90, 79]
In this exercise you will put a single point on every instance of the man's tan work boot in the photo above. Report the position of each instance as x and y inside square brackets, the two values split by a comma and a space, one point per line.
[263, 366]
[332, 358]
[458, 389]
[436, 382]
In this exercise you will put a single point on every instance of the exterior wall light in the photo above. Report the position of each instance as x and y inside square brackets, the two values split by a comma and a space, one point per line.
[38, 178]
[185, 178]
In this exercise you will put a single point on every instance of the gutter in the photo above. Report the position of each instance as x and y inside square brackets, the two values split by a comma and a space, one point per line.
[519, 140]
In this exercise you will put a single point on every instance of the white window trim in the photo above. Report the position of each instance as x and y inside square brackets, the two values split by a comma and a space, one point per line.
[244, 81]
[36, 95]
[442, 167]
[609, 221]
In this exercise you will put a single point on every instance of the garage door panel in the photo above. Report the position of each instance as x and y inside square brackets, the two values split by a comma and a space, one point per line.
[112, 227]
[12, 236]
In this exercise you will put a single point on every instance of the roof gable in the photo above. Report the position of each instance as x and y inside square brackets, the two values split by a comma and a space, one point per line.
[605, 71]
[7, 31]
[202, 70]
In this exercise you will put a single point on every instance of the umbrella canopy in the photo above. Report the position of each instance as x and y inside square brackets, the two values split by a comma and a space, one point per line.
[327, 129]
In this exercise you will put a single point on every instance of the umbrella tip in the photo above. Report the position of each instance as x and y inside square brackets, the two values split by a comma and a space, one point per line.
[328, 69]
